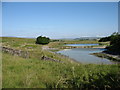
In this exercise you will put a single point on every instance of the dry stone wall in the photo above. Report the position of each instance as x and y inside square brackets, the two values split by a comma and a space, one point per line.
[20, 53]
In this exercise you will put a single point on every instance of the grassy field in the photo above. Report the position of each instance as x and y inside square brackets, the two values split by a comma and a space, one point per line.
[33, 72]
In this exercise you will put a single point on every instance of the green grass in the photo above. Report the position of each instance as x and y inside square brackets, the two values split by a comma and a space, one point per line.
[33, 72]
[24, 72]
[103, 55]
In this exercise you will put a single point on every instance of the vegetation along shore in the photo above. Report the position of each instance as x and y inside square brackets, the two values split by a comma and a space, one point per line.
[112, 51]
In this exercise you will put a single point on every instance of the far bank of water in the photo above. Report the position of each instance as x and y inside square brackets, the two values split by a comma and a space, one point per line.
[83, 55]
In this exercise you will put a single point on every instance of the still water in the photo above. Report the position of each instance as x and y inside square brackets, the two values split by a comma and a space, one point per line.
[83, 55]
[81, 44]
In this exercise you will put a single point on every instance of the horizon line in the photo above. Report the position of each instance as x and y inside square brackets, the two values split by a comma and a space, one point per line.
[56, 38]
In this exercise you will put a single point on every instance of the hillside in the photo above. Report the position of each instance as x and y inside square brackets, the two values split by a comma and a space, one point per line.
[33, 72]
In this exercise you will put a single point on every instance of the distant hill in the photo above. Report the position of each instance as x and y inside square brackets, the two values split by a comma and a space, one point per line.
[87, 38]
[81, 38]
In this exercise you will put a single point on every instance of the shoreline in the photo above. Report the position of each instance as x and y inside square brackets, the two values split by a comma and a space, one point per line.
[106, 55]
[60, 55]
[100, 54]
[65, 56]
[70, 47]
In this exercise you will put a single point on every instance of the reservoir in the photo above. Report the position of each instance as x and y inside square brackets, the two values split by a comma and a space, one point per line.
[81, 44]
[83, 55]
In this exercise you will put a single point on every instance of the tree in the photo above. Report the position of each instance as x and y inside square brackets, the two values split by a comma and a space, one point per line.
[105, 39]
[42, 40]
[114, 43]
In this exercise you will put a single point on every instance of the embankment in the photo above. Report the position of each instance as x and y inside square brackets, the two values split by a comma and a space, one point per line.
[108, 56]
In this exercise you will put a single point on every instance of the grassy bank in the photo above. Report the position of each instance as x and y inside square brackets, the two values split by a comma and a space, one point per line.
[33, 72]
[108, 56]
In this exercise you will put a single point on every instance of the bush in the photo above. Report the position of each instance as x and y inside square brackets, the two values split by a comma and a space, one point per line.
[114, 47]
[42, 40]
[109, 38]
[115, 44]
[105, 39]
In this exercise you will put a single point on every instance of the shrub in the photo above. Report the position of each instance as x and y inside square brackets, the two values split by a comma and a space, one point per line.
[114, 47]
[105, 39]
[42, 40]
[115, 44]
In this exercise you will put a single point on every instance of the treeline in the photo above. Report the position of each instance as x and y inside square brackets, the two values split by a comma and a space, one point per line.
[56, 40]
[114, 46]
[105, 39]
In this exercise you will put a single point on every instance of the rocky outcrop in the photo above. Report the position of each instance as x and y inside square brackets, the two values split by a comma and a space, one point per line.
[50, 59]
